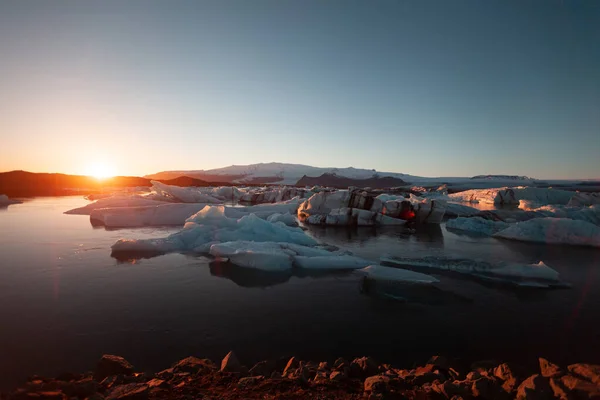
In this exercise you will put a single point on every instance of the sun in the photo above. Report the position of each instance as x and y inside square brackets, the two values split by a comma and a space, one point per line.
[100, 170]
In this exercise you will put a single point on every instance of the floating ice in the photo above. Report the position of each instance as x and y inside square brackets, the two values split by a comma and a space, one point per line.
[584, 199]
[515, 273]
[173, 214]
[115, 201]
[183, 194]
[286, 218]
[211, 225]
[5, 201]
[477, 225]
[460, 210]
[553, 231]
[271, 195]
[383, 273]
[512, 196]
[274, 256]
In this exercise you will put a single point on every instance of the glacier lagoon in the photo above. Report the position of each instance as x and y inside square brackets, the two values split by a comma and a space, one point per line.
[65, 300]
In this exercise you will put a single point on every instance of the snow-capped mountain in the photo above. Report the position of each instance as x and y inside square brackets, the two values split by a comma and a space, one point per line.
[280, 173]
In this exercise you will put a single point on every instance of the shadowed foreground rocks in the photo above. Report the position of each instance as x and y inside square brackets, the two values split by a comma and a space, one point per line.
[115, 378]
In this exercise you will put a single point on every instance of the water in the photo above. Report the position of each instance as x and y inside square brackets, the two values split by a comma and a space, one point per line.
[64, 301]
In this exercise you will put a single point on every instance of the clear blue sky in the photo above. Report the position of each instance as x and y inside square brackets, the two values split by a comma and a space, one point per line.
[432, 88]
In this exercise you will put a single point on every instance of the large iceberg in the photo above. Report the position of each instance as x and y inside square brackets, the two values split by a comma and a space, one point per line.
[584, 199]
[210, 226]
[513, 196]
[272, 195]
[177, 213]
[116, 201]
[553, 231]
[521, 274]
[5, 201]
[477, 225]
[353, 207]
[183, 194]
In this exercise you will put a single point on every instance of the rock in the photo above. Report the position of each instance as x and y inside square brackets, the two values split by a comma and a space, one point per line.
[230, 363]
[376, 384]
[323, 366]
[338, 376]
[340, 361]
[194, 365]
[165, 374]
[276, 375]
[473, 375]
[249, 381]
[505, 373]
[423, 375]
[300, 374]
[95, 396]
[112, 365]
[580, 388]
[535, 387]
[548, 369]
[589, 372]
[559, 390]
[82, 388]
[264, 368]
[68, 377]
[113, 380]
[48, 395]
[320, 378]
[131, 391]
[152, 383]
[439, 361]
[292, 364]
[488, 388]
[363, 367]
[450, 389]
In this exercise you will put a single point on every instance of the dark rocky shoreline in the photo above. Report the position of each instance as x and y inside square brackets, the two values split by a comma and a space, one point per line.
[362, 378]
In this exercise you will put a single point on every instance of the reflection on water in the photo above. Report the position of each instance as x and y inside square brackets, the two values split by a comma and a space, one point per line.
[60, 285]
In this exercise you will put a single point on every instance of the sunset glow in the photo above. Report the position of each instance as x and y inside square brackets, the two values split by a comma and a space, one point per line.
[100, 170]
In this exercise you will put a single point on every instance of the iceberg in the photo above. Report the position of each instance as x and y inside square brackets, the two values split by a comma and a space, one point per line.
[384, 273]
[5, 201]
[210, 226]
[430, 211]
[183, 194]
[513, 196]
[169, 214]
[584, 199]
[520, 274]
[115, 201]
[476, 225]
[553, 231]
[275, 195]
[287, 218]
[460, 210]
[275, 256]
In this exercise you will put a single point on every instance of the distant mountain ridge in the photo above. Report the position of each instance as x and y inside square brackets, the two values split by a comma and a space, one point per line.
[278, 173]
[341, 182]
[504, 177]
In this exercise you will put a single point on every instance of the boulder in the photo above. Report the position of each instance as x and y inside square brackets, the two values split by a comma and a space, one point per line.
[559, 390]
[589, 372]
[439, 361]
[194, 365]
[320, 378]
[249, 381]
[338, 376]
[505, 373]
[82, 388]
[264, 368]
[131, 391]
[535, 387]
[548, 369]
[230, 363]
[363, 367]
[580, 388]
[488, 388]
[340, 361]
[112, 365]
[450, 389]
[376, 384]
[292, 364]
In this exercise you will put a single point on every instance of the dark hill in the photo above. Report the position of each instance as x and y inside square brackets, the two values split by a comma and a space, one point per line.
[23, 183]
[341, 182]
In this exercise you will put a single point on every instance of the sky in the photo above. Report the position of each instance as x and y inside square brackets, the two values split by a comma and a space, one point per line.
[429, 88]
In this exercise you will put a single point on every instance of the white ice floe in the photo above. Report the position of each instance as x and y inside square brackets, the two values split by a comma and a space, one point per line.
[183, 194]
[477, 225]
[287, 218]
[173, 214]
[115, 201]
[276, 256]
[553, 231]
[513, 196]
[584, 199]
[460, 210]
[210, 226]
[538, 274]
[5, 201]
[383, 273]
[176, 214]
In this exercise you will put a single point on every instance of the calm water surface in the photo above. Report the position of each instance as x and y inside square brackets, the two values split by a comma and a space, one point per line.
[64, 301]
